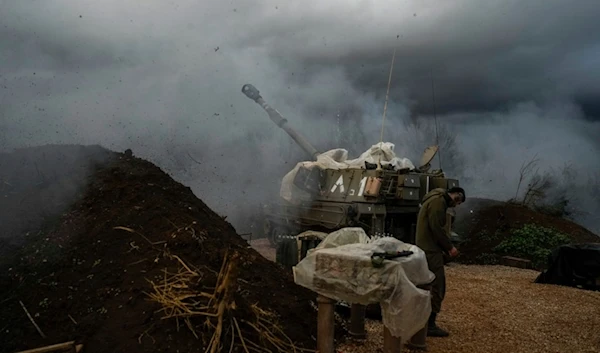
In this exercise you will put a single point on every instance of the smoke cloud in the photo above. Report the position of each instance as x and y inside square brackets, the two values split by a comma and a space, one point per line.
[511, 80]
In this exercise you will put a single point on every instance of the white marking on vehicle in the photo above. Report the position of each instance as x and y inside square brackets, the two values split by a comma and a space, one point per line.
[340, 183]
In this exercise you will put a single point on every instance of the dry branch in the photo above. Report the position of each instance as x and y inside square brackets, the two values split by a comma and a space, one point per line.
[140, 234]
[60, 347]
[31, 319]
[181, 299]
[525, 171]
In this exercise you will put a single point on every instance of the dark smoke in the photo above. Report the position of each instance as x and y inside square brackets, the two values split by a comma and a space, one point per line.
[511, 79]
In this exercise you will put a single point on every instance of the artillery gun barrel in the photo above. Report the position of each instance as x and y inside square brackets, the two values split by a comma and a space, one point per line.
[251, 92]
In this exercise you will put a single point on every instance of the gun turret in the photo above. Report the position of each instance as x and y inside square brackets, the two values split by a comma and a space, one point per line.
[253, 93]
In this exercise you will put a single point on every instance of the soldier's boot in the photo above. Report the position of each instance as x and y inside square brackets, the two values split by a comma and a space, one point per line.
[433, 330]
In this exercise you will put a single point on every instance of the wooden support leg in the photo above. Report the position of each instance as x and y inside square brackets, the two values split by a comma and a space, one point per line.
[391, 344]
[357, 321]
[418, 341]
[325, 325]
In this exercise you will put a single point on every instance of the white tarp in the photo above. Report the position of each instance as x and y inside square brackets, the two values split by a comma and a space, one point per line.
[344, 236]
[345, 273]
[338, 159]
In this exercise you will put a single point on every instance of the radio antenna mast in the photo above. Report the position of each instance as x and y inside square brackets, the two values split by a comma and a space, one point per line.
[387, 96]
[437, 136]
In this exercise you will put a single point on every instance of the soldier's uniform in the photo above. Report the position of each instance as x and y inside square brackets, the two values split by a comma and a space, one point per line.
[433, 239]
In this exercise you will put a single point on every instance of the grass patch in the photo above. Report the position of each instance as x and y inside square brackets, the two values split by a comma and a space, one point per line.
[532, 242]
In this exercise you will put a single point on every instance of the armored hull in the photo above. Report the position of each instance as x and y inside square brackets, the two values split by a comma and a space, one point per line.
[383, 203]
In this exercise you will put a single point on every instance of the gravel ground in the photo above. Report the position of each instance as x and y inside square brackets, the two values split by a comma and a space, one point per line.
[499, 309]
[492, 309]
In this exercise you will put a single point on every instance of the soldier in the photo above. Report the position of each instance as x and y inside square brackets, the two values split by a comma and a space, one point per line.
[433, 239]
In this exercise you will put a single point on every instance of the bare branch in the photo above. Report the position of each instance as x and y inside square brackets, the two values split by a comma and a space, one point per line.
[525, 171]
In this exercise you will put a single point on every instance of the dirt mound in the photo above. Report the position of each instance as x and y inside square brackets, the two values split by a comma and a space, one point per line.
[469, 213]
[133, 233]
[486, 223]
[37, 184]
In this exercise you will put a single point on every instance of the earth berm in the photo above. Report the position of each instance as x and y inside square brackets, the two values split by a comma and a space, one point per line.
[105, 248]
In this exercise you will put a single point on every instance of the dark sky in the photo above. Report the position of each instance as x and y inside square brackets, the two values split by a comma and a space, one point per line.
[482, 55]
[511, 78]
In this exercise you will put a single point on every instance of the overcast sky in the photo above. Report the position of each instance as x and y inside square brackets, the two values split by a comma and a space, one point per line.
[511, 79]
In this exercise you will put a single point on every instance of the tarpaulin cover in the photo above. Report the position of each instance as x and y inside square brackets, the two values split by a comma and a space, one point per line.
[572, 265]
[344, 272]
[338, 159]
[344, 236]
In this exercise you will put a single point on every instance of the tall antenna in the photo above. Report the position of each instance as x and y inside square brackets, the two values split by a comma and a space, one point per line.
[387, 96]
[437, 136]
[339, 129]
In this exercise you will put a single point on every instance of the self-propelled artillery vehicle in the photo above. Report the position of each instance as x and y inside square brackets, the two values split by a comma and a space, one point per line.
[382, 200]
